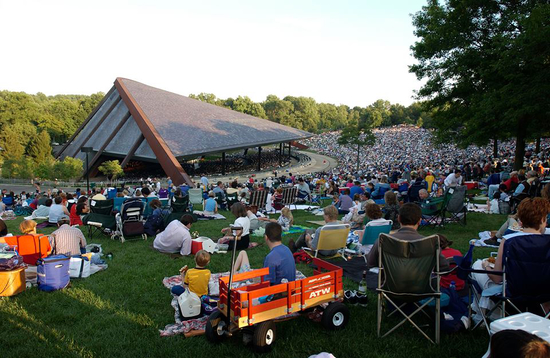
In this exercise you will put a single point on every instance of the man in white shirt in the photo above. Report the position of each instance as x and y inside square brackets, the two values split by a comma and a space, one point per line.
[454, 179]
[176, 238]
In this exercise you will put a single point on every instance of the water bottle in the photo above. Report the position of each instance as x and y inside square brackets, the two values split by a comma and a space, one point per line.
[452, 286]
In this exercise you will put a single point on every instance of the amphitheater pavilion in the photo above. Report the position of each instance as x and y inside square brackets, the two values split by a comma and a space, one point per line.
[142, 123]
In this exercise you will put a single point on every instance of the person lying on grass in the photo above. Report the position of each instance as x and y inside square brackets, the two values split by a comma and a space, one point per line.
[279, 260]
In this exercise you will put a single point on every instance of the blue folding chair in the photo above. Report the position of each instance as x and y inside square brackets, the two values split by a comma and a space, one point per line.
[371, 233]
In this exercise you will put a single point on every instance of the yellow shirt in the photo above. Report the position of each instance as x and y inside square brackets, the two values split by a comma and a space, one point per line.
[197, 280]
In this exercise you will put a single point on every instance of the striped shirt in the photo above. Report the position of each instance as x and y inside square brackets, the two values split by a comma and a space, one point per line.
[67, 240]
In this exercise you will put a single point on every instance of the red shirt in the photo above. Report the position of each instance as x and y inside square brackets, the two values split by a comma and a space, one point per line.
[75, 219]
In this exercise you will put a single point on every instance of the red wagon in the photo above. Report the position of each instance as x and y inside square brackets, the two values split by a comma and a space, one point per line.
[257, 306]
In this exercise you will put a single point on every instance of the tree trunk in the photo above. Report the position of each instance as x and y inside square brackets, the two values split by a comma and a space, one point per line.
[520, 144]
[537, 147]
[495, 148]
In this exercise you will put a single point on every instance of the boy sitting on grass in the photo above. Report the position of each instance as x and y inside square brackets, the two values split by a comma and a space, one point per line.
[195, 279]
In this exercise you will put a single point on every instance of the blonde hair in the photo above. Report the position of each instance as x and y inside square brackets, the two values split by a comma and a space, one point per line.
[27, 226]
[287, 213]
[202, 258]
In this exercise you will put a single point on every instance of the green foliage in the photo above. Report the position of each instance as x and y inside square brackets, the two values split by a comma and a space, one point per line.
[486, 69]
[40, 149]
[69, 168]
[20, 168]
[111, 169]
[358, 134]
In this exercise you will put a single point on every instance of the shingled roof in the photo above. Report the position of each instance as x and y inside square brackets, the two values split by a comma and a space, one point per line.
[136, 121]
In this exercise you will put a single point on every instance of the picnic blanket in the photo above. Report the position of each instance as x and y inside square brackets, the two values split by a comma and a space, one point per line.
[217, 216]
[478, 208]
[353, 269]
[196, 325]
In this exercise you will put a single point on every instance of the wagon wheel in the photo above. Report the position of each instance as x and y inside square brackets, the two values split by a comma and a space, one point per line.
[215, 325]
[335, 316]
[264, 336]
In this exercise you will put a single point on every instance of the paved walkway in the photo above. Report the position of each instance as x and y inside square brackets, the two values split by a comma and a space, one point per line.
[317, 163]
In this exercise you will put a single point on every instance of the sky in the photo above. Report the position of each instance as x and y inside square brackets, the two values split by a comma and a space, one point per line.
[340, 52]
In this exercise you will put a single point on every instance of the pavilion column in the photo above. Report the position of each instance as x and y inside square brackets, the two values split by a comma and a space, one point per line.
[259, 158]
[223, 163]
[280, 153]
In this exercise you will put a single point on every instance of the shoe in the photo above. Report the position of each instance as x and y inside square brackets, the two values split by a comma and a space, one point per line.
[350, 297]
[492, 241]
[292, 246]
[362, 299]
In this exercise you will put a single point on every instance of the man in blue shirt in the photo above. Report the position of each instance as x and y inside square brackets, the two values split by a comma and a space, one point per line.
[279, 260]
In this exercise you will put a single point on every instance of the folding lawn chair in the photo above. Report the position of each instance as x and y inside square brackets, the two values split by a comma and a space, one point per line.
[258, 198]
[195, 195]
[232, 199]
[405, 277]
[100, 218]
[372, 232]
[432, 209]
[178, 206]
[290, 195]
[333, 237]
[455, 206]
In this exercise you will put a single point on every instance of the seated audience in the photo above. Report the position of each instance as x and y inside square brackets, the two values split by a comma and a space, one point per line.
[310, 238]
[242, 221]
[210, 205]
[57, 210]
[391, 208]
[67, 239]
[516, 343]
[176, 238]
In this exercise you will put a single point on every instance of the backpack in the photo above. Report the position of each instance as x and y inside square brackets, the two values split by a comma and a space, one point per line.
[155, 222]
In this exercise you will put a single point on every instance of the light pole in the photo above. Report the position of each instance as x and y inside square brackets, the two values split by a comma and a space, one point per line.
[87, 150]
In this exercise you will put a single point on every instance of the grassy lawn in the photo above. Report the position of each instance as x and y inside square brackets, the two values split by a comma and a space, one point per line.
[118, 312]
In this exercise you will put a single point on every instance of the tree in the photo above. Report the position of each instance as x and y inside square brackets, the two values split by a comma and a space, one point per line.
[111, 169]
[40, 149]
[359, 134]
[69, 168]
[486, 69]
[246, 105]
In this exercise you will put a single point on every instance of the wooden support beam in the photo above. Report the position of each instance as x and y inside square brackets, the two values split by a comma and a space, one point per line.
[101, 120]
[132, 151]
[164, 155]
[109, 139]
[86, 122]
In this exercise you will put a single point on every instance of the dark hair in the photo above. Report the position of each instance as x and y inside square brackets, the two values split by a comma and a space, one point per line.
[155, 203]
[410, 214]
[186, 219]
[80, 207]
[145, 191]
[502, 187]
[512, 343]
[81, 199]
[58, 200]
[444, 242]
[273, 231]
[239, 210]
[373, 211]
[48, 202]
[458, 171]
[3, 228]
[496, 195]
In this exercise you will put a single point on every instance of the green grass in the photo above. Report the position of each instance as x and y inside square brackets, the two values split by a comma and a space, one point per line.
[118, 312]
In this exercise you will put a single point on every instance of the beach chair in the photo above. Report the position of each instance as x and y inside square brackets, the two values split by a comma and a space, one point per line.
[258, 198]
[8, 202]
[372, 232]
[333, 237]
[31, 247]
[432, 209]
[405, 277]
[100, 219]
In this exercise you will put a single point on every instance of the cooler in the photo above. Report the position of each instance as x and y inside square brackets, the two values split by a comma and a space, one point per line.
[528, 322]
[470, 185]
[202, 243]
[12, 282]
